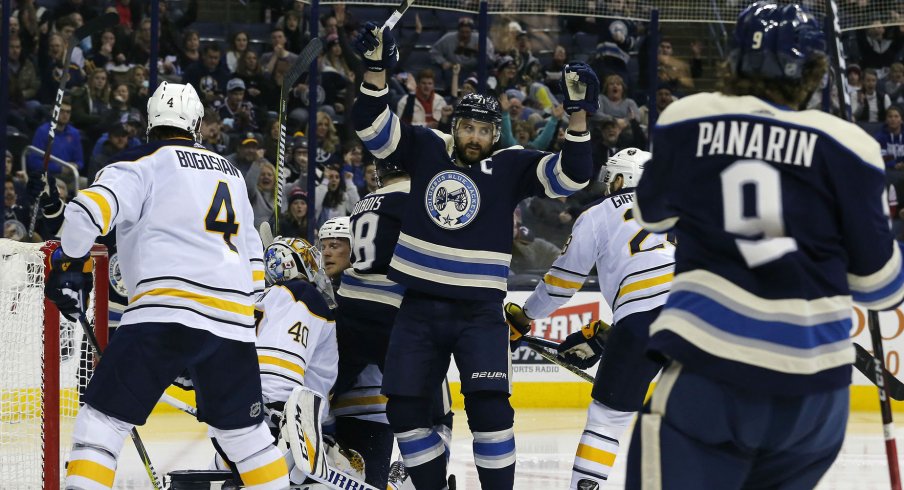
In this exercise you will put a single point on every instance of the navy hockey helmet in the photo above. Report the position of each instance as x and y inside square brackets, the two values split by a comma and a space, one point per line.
[386, 169]
[482, 108]
[775, 42]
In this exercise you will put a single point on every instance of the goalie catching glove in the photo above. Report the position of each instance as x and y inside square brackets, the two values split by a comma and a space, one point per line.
[518, 322]
[377, 47]
[585, 347]
[581, 88]
[68, 279]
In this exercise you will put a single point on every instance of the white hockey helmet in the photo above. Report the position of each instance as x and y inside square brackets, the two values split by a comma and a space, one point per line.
[176, 105]
[336, 228]
[289, 258]
[629, 163]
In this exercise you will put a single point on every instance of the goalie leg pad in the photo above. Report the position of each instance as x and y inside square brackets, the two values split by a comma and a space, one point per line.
[301, 430]
[97, 440]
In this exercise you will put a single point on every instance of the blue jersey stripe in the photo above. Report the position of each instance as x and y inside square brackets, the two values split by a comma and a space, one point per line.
[882, 293]
[350, 280]
[461, 267]
[781, 333]
[554, 183]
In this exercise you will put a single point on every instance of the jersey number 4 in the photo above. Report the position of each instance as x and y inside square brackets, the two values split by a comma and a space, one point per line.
[221, 215]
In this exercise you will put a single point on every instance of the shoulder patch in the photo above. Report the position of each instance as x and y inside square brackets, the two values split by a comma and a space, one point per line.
[304, 292]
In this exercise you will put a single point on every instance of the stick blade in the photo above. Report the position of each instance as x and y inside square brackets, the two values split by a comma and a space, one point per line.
[97, 24]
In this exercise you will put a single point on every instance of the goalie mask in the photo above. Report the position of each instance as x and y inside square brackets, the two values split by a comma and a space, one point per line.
[294, 258]
[628, 163]
[178, 106]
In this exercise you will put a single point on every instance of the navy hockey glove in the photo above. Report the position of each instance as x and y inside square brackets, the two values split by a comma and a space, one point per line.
[68, 279]
[377, 48]
[581, 88]
[585, 347]
[44, 186]
[518, 323]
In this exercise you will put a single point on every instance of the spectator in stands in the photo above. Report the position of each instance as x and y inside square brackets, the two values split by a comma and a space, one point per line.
[11, 207]
[141, 43]
[108, 53]
[295, 36]
[247, 158]
[329, 24]
[171, 28]
[554, 68]
[262, 195]
[50, 64]
[279, 51]
[117, 141]
[294, 223]
[91, 103]
[506, 75]
[214, 139]
[298, 165]
[31, 24]
[238, 45]
[335, 196]
[120, 105]
[129, 14]
[664, 97]
[353, 162]
[460, 48]
[854, 78]
[615, 104]
[891, 140]
[549, 218]
[370, 180]
[23, 86]
[425, 108]
[328, 144]
[516, 109]
[138, 86]
[894, 83]
[524, 58]
[530, 253]
[523, 132]
[879, 46]
[191, 50]
[673, 72]
[67, 7]
[236, 112]
[249, 70]
[617, 39]
[870, 102]
[334, 60]
[212, 71]
[67, 144]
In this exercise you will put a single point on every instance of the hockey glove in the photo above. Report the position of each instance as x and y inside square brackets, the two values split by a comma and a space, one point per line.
[518, 322]
[581, 88]
[44, 186]
[377, 48]
[585, 347]
[68, 279]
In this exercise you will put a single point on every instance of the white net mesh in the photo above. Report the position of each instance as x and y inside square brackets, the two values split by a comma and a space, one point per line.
[22, 369]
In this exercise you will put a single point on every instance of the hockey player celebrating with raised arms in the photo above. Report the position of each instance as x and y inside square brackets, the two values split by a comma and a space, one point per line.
[635, 270]
[781, 222]
[191, 263]
[453, 255]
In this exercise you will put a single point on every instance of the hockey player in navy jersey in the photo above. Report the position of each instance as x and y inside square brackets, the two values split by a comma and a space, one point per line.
[191, 282]
[781, 222]
[453, 257]
[635, 270]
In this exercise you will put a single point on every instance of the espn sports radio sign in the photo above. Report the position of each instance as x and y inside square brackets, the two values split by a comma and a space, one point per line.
[587, 306]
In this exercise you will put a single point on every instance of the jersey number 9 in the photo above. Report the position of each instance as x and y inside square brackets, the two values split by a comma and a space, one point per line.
[221, 206]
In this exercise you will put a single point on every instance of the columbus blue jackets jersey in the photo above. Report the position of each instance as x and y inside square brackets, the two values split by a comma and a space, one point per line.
[634, 266]
[456, 238]
[187, 249]
[781, 221]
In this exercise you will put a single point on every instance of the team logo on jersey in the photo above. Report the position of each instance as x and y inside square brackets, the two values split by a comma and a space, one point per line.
[116, 277]
[452, 199]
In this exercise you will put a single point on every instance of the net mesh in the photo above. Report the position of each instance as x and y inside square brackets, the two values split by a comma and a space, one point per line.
[22, 374]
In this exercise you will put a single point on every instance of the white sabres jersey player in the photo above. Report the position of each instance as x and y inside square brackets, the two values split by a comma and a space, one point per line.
[296, 338]
[183, 228]
[634, 267]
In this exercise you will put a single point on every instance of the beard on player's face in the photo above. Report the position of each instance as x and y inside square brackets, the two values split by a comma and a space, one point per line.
[471, 151]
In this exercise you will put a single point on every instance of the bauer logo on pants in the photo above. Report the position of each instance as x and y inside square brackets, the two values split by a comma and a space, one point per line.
[452, 200]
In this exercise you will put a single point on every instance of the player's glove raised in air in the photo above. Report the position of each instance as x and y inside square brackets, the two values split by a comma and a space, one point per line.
[584, 348]
[44, 186]
[69, 278]
[581, 88]
[518, 322]
[377, 47]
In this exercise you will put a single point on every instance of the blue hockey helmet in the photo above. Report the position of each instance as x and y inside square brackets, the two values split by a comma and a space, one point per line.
[484, 108]
[775, 41]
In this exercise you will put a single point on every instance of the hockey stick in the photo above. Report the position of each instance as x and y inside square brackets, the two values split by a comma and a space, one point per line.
[397, 14]
[888, 426]
[839, 65]
[547, 350]
[301, 66]
[109, 19]
[156, 482]
[866, 364]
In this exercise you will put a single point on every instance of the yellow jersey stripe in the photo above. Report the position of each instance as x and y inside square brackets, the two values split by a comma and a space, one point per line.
[646, 283]
[561, 283]
[104, 206]
[591, 453]
[267, 473]
[257, 276]
[363, 400]
[275, 361]
[91, 470]
[220, 304]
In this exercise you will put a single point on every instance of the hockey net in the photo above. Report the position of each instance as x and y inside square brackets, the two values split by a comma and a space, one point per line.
[45, 364]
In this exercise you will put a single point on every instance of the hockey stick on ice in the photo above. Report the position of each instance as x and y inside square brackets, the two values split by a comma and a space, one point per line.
[98, 24]
[866, 364]
[301, 66]
[156, 482]
[547, 350]
[888, 426]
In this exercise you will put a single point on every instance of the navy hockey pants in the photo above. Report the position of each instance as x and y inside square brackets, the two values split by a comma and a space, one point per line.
[624, 373]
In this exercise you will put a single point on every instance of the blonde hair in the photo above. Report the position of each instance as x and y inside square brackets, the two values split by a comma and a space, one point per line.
[331, 142]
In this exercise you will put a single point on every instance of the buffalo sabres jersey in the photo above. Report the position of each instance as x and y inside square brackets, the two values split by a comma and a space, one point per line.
[634, 266]
[781, 221]
[296, 342]
[456, 238]
[375, 224]
[186, 245]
